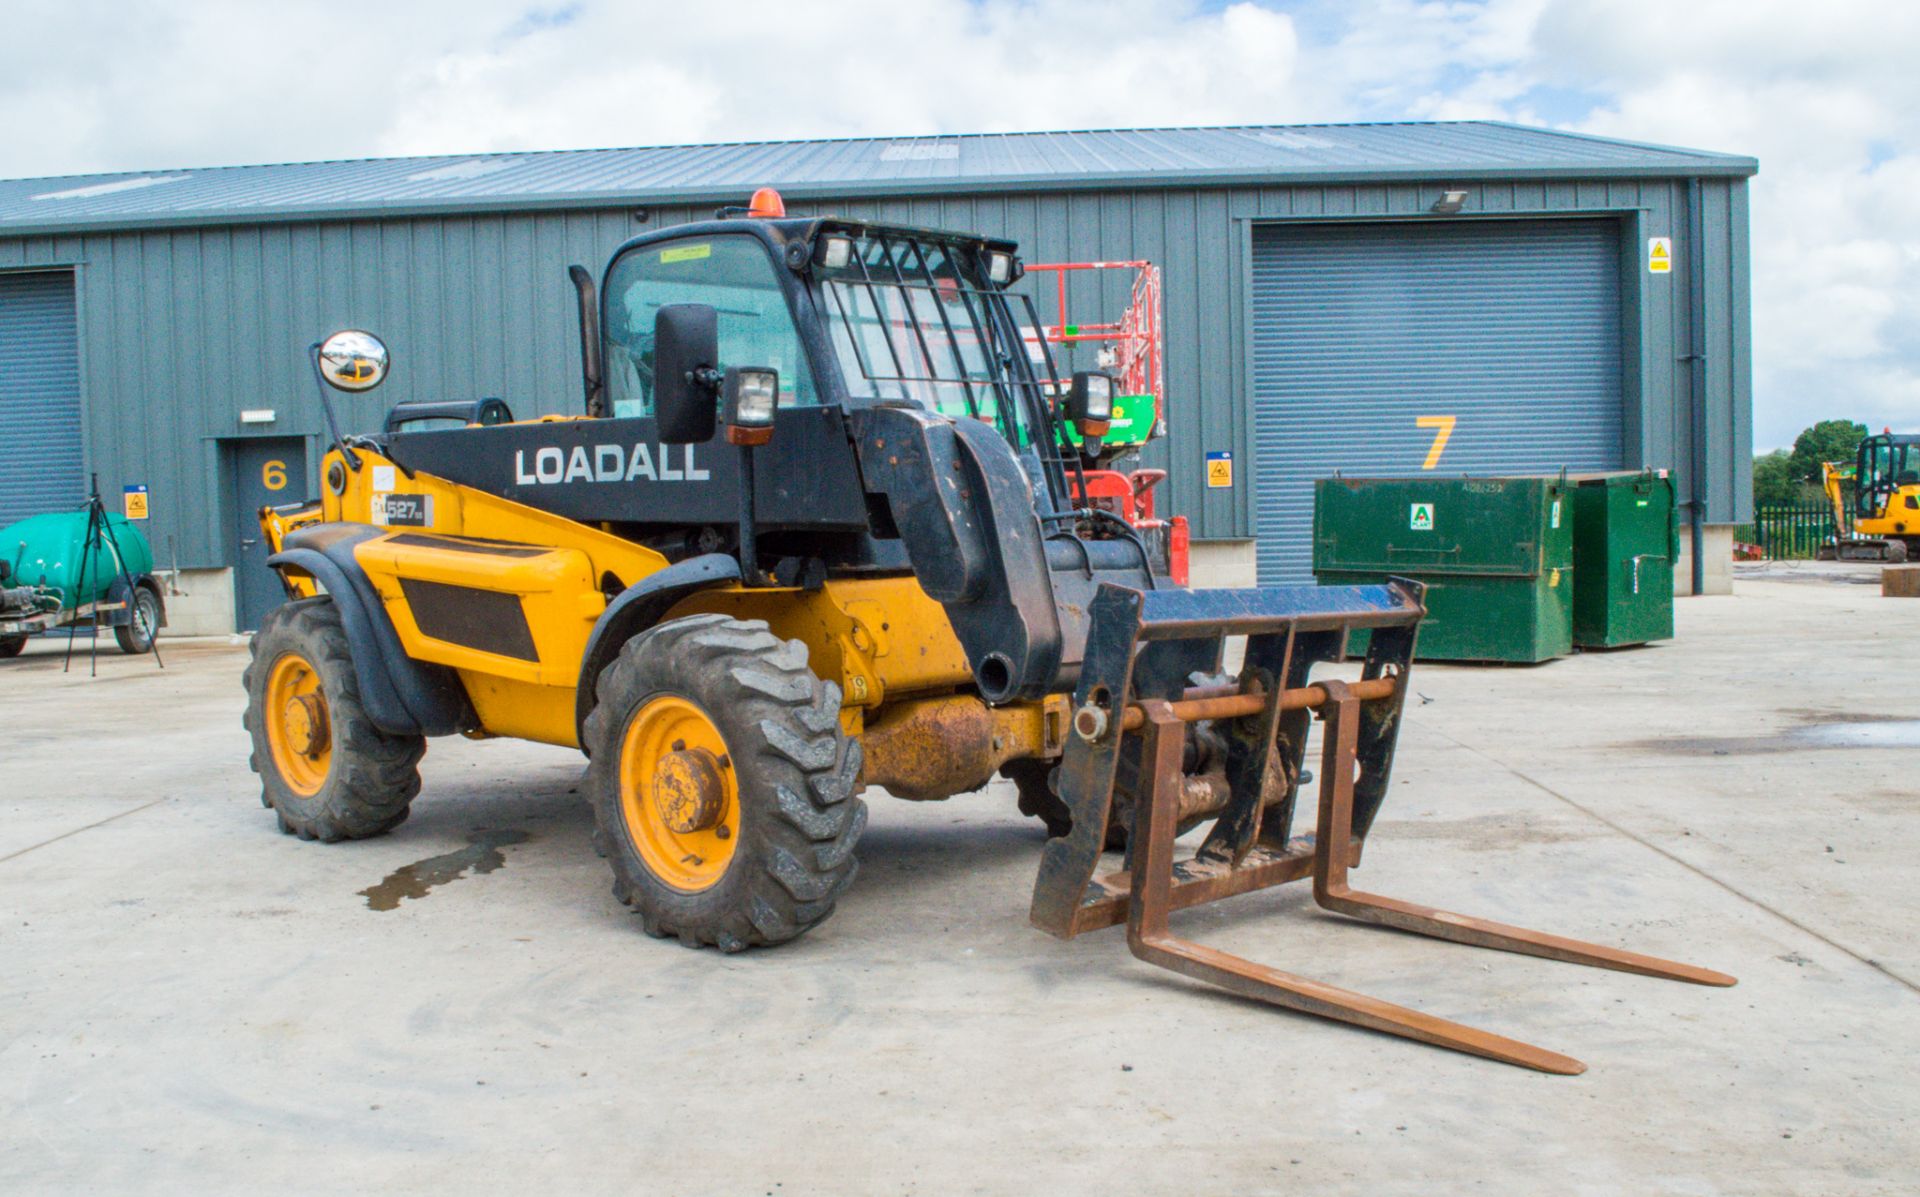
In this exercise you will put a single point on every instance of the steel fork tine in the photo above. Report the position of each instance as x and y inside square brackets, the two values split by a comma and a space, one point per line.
[1150, 940]
[1330, 889]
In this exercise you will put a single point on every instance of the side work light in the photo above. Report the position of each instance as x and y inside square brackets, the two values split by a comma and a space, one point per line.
[999, 268]
[748, 399]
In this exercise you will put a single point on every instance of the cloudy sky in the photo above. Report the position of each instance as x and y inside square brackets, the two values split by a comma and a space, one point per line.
[1826, 96]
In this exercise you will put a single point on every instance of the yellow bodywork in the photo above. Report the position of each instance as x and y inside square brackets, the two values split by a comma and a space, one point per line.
[1899, 517]
[902, 673]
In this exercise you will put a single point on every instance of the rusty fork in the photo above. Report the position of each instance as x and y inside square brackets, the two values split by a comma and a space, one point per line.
[1070, 899]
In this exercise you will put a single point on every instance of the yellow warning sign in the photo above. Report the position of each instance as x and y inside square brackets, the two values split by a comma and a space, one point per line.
[136, 502]
[1219, 469]
[1659, 255]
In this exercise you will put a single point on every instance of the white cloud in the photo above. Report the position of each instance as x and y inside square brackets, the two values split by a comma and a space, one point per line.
[1824, 95]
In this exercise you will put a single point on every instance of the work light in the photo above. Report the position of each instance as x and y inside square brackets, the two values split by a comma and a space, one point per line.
[1090, 402]
[999, 268]
[835, 252]
[748, 398]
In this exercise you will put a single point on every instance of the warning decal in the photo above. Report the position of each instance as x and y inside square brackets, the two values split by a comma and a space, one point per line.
[1659, 255]
[1219, 469]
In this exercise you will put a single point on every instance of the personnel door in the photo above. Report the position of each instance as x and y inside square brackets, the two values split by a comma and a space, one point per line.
[266, 472]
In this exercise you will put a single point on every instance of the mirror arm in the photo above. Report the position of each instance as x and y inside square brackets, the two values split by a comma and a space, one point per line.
[750, 574]
[592, 365]
[326, 406]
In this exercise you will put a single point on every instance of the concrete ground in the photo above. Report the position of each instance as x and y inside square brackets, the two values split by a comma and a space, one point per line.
[191, 1002]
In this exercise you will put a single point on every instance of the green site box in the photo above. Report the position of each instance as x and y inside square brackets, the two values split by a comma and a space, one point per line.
[1496, 555]
[1624, 546]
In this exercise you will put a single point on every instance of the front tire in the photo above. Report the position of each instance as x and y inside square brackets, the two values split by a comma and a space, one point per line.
[324, 767]
[11, 646]
[722, 784]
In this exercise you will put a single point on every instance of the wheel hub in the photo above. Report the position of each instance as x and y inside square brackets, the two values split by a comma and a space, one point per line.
[688, 786]
[306, 724]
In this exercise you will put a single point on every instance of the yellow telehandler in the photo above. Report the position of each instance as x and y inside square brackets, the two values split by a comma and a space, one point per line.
[813, 533]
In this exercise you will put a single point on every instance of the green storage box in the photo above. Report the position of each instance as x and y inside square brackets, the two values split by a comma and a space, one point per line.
[1624, 546]
[1496, 555]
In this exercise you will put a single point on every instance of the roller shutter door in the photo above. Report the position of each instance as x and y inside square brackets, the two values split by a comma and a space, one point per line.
[1362, 332]
[41, 467]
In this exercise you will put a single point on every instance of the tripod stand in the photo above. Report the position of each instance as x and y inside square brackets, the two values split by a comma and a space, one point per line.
[100, 536]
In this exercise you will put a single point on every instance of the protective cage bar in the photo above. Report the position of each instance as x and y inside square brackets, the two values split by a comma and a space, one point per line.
[1135, 716]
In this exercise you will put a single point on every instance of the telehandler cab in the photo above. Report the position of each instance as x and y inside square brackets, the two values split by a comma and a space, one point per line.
[813, 534]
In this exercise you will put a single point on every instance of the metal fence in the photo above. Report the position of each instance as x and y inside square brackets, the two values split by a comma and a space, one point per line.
[1788, 531]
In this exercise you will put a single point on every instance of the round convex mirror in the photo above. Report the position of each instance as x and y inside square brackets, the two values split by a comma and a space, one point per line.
[352, 360]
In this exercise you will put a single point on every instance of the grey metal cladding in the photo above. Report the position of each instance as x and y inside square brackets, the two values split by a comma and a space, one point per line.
[1510, 327]
[477, 303]
[42, 465]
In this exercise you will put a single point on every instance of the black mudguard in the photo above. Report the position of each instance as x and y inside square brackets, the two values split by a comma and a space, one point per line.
[636, 609]
[403, 696]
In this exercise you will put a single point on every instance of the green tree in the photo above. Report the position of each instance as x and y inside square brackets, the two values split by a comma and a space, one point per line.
[1774, 481]
[1829, 440]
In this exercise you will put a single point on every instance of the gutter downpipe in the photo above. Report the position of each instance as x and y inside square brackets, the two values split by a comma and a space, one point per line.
[1696, 359]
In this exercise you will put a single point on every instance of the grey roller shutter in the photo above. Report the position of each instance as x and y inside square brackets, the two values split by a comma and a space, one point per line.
[41, 466]
[1512, 327]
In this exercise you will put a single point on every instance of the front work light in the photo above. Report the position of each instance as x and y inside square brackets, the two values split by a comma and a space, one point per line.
[1090, 403]
[748, 398]
[999, 268]
[835, 252]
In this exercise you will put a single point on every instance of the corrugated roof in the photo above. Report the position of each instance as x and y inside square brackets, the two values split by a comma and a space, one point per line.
[1437, 151]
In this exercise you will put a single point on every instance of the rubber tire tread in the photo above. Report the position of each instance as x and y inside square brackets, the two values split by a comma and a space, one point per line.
[796, 771]
[372, 777]
[126, 635]
[11, 646]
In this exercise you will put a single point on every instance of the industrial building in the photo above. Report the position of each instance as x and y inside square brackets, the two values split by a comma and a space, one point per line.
[1378, 298]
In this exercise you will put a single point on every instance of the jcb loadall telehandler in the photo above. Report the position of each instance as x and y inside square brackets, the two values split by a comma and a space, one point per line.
[813, 534]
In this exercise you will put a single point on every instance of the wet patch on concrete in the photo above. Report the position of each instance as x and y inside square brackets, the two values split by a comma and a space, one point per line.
[1855, 734]
[481, 855]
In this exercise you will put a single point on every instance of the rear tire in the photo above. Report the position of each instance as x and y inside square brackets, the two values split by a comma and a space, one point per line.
[143, 623]
[756, 851]
[11, 646]
[325, 769]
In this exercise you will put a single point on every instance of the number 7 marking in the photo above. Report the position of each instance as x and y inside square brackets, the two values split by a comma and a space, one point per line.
[1443, 428]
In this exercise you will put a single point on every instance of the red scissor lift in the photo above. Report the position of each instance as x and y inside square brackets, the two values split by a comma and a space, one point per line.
[1131, 349]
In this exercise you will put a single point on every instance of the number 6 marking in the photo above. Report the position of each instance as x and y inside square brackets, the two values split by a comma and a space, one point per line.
[1443, 428]
[273, 475]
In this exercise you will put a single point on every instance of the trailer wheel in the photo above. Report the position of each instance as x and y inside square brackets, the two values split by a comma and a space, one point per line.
[722, 784]
[325, 769]
[143, 622]
[10, 646]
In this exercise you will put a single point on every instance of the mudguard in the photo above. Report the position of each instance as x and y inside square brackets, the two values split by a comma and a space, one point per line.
[638, 608]
[120, 593]
[403, 696]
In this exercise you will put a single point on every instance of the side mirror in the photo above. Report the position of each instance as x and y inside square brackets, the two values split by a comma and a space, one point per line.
[686, 348]
[351, 360]
[1090, 404]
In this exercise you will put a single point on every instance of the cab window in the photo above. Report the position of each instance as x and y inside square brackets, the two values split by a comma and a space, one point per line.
[731, 274]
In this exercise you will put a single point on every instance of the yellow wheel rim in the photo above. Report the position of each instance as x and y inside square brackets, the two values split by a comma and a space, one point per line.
[299, 731]
[679, 793]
